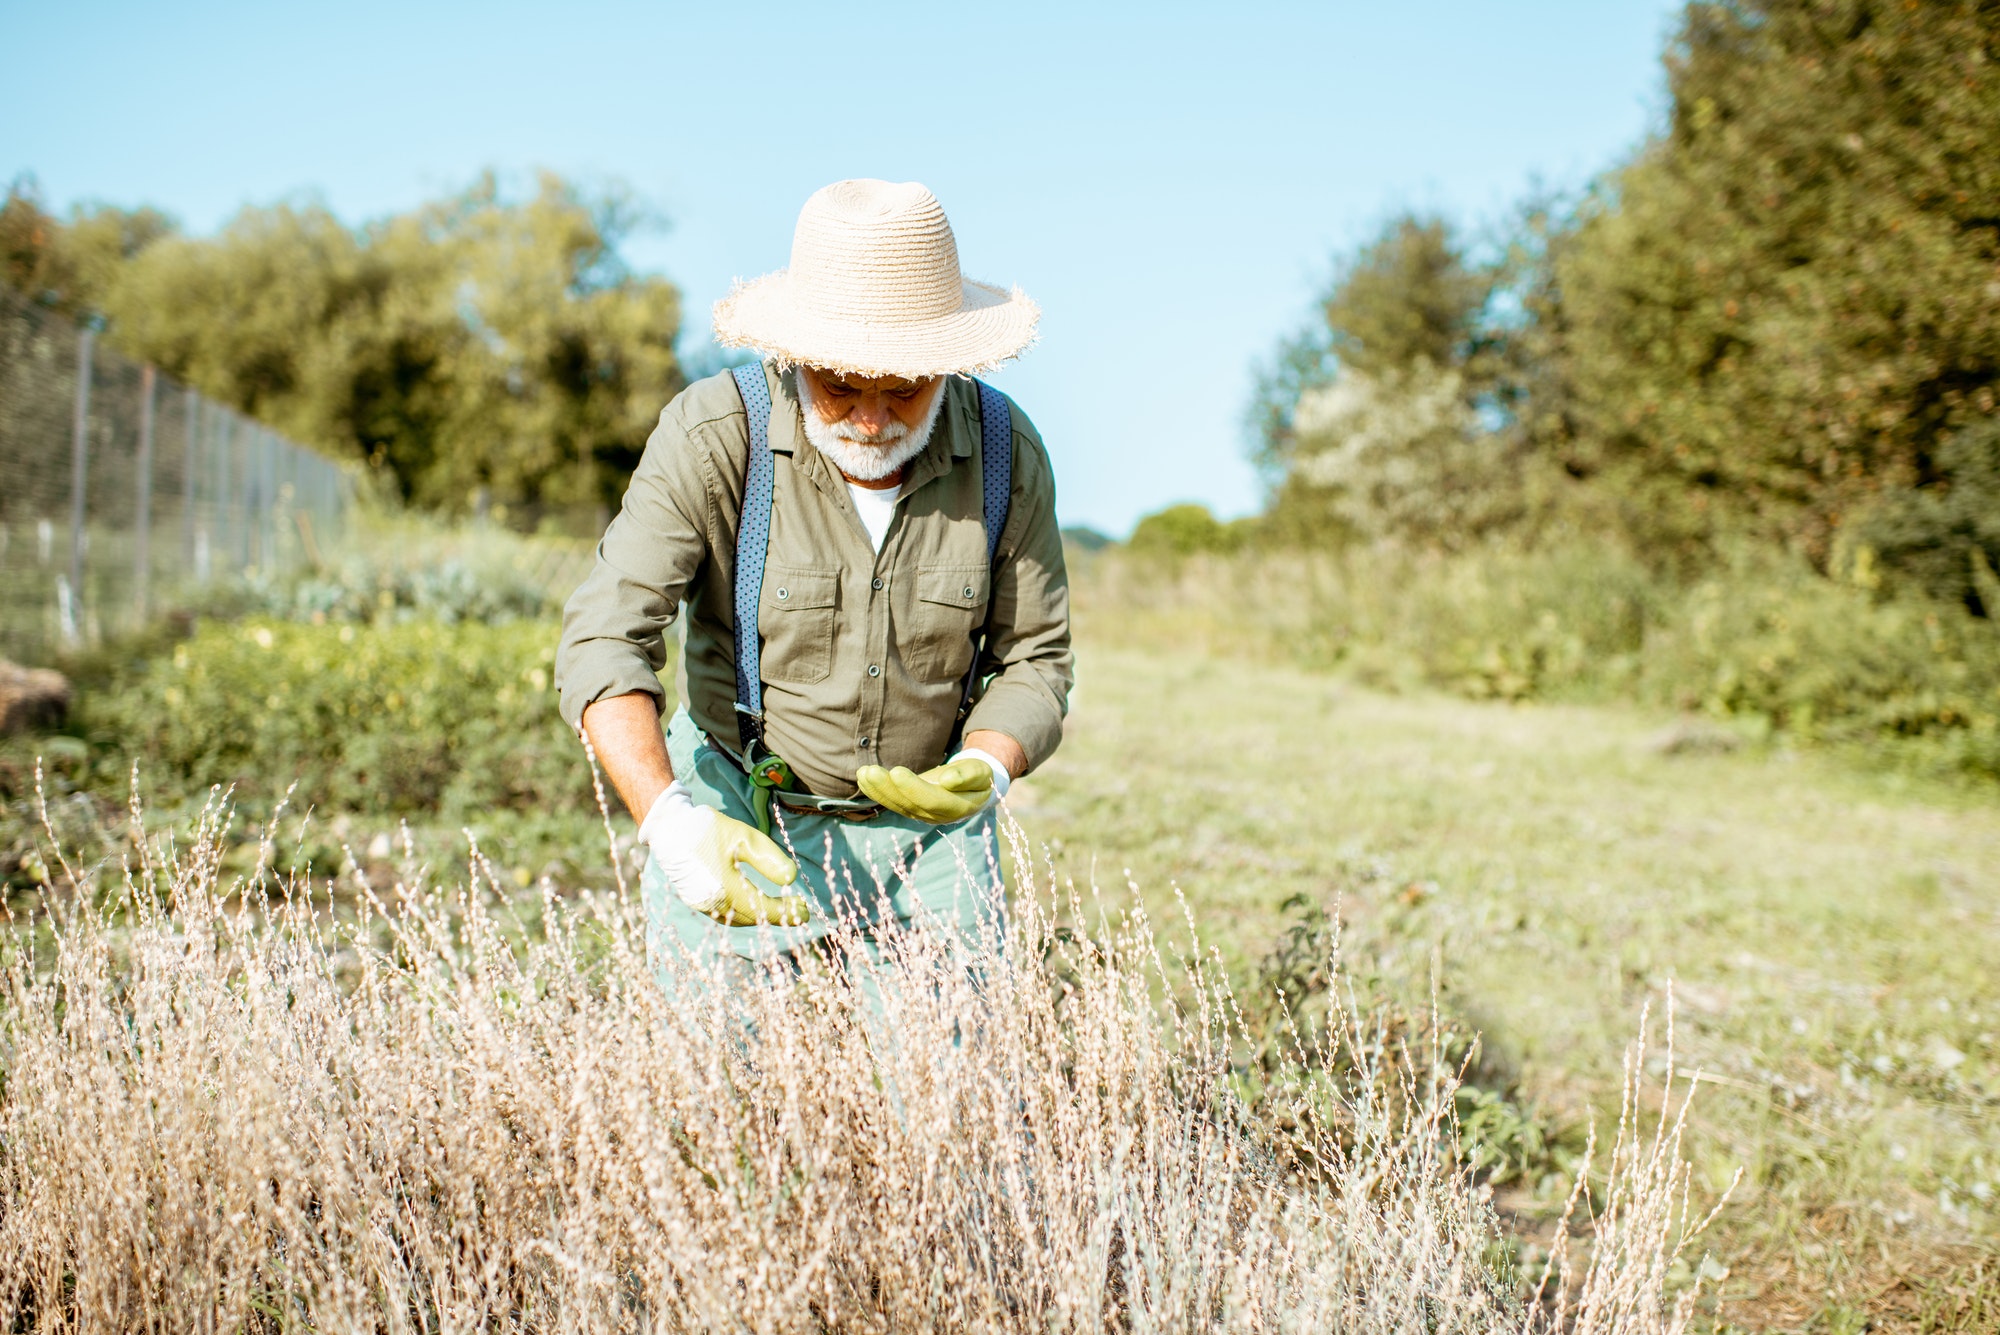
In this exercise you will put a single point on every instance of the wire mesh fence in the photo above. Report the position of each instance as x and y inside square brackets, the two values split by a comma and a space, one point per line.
[121, 489]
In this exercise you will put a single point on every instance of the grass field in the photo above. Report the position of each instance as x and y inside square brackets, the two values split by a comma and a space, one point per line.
[1832, 935]
[377, 1095]
[1541, 873]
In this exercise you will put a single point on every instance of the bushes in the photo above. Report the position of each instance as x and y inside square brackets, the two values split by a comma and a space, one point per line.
[1942, 539]
[1816, 659]
[1763, 640]
[1184, 530]
[400, 568]
[416, 718]
[408, 681]
[452, 590]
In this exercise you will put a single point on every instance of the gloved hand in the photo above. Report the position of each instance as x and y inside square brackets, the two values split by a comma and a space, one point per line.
[954, 790]
[698, 848]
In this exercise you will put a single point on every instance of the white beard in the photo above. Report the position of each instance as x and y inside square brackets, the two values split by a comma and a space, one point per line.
[857, 454]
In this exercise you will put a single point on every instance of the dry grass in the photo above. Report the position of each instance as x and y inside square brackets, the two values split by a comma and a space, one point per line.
[284, 1103]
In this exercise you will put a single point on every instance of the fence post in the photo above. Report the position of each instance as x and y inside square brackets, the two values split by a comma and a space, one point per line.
[253, 495]
[142, 530]
[267, 499]
[245, 439]
[219, 541]
[190, 461]
[79, 471]
[209, 540]
[247, 498]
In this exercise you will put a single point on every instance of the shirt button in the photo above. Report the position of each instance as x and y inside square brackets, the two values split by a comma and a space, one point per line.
[967, 591]
[874, 669]
[877, 584]
[864, 743]
[786, 593]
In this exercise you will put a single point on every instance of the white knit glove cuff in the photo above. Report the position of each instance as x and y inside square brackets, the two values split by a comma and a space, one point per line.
[673, 832]
[671, 807]
[1001, 778]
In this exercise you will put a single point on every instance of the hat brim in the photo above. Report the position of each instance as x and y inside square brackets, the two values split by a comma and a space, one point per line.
[992, 327]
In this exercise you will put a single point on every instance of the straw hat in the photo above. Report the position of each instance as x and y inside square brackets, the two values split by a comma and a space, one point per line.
[874, 289]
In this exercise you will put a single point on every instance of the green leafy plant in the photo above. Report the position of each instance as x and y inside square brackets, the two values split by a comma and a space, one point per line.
[422, 717]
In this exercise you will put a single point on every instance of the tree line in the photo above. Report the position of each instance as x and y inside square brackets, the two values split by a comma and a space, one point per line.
[1778, 322]
[482, 349]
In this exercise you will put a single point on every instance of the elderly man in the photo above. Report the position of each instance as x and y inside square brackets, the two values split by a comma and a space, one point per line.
[878, 617]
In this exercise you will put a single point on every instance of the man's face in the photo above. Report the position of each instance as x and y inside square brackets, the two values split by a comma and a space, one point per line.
[870, 406]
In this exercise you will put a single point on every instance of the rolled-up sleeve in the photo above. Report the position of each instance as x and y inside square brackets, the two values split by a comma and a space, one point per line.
[614, 626]
[1027, 640]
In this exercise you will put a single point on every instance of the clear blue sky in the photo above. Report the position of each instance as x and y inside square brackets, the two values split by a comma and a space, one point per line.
[1170, 181]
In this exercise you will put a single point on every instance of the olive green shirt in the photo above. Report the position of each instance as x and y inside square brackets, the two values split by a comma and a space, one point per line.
[865, 654]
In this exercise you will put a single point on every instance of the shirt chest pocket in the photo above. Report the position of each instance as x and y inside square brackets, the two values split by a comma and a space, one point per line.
[796, 621]
[936, 644]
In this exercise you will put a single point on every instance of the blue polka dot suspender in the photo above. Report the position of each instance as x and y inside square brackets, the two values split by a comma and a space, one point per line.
[753, 544]
[996, 468]
[753, 538]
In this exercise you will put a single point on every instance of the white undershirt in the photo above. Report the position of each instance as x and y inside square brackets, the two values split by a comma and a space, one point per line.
[876, 508]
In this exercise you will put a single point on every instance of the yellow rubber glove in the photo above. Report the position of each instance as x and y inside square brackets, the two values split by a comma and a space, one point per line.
[941, 796]
[699, 850]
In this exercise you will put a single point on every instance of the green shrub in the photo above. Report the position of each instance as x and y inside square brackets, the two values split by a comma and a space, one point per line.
[400, 569]
[419, 718]
[1942, 539]
[1185, 530]
[1817, 659]
[357, 591]
[1763, 640]
[1501, 623]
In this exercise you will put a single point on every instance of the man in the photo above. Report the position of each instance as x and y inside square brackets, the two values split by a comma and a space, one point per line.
[890, 527]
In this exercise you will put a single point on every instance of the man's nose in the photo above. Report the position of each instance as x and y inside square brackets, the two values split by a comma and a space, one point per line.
[871, 414]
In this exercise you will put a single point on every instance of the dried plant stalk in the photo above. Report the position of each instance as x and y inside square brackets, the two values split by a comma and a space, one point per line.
[247, 1107]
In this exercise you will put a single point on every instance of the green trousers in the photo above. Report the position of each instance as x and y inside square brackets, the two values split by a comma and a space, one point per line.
[866, 881]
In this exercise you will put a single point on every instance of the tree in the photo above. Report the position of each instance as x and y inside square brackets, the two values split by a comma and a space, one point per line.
[1407, 297]
[1782, 308]
[1400, 455]
[1394, 419]
[476, 348]
[70, 266]
[1183, 530]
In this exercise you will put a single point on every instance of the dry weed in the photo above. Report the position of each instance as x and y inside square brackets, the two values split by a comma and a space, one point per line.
[261, 1106]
